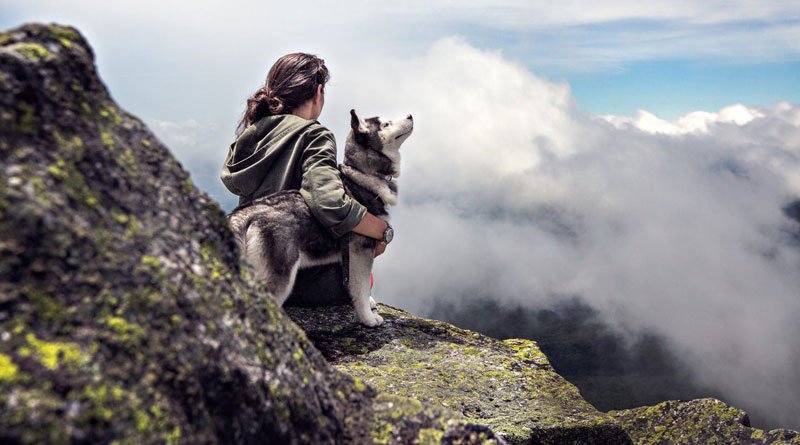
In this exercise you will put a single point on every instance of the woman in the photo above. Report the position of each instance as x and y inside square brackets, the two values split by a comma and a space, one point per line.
[279, 146]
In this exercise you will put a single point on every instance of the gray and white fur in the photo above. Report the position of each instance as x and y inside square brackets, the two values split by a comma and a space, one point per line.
[278, 234]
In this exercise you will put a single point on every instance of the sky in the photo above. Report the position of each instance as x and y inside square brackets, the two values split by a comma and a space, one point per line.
[636, 154]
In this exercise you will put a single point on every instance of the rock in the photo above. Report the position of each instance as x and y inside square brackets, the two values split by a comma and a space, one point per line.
[507, 385]
[124, 315]
[701, 421]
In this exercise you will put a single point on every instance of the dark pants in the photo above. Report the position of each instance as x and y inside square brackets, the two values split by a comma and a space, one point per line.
[319, 286]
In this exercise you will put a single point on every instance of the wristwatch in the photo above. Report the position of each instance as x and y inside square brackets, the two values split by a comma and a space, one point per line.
[388, 234]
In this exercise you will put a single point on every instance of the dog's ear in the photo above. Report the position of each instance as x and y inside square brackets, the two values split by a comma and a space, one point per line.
[356, 124]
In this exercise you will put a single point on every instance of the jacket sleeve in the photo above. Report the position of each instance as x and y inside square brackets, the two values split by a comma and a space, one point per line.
[322, 186]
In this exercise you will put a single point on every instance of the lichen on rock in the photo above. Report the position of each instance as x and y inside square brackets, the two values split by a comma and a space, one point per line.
[508, 386]
[701, 421]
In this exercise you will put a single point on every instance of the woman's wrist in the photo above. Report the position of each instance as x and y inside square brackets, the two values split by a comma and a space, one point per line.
[372, 226]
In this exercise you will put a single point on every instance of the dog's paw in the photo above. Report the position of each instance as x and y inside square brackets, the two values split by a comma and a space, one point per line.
[372, 304]
[372, 320]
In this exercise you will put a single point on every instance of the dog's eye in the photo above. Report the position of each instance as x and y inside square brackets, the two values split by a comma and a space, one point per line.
[384, 125]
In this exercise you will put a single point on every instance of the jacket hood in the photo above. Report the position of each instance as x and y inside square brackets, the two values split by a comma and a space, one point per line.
[258, 148]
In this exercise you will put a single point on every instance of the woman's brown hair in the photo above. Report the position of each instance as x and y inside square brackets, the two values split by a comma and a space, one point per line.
[291, 81]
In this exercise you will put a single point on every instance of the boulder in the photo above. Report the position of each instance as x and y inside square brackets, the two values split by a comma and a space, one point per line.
[700, 421]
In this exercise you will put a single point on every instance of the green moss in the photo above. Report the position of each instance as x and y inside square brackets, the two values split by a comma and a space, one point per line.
[108, 140]
[76, 187]
[187, 186]
[359, 384]
[120, 217]
[382, 434]
[98, 395]
[4, 38]
[132, 229]
[65, 36]
[527, 351]
[210, 255]
[111, 113]
[47, 306]
[27, 119]
[151, 261]
[430, 436]
[129, 333]
[508, 386]
[173, 437]
[57, 170]
[8, 370]
[32, 51]
[127, 161]
[70, 148]
[53, 354]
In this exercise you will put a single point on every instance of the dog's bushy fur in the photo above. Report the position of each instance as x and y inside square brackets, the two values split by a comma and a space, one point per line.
[278, 234]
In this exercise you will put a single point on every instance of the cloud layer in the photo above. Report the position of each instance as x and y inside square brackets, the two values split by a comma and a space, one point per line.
[677, 227]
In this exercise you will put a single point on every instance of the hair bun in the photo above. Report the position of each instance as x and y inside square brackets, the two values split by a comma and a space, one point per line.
[275, 104]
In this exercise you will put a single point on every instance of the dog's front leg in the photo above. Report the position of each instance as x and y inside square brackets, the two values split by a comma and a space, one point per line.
[360, 267]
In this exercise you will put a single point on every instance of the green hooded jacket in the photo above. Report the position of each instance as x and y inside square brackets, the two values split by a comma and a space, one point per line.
[287, 152]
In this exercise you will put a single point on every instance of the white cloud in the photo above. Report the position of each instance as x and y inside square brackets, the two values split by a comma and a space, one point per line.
[509, 190]
[698, 122]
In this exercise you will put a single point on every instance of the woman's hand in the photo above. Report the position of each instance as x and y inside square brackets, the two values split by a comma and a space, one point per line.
[373, 227]
[380, 248]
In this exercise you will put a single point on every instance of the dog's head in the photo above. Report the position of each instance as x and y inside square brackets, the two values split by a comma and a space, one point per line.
[374, 140]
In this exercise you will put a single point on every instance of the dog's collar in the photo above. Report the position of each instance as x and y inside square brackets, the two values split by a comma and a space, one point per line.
[387, 178]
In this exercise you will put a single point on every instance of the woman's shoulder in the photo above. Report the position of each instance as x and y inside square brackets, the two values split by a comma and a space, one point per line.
[316, 130]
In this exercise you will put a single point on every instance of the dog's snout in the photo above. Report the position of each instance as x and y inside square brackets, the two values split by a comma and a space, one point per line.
[410, 117]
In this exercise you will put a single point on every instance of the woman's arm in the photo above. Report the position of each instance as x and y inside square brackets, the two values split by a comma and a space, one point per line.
[323, 191]
[373, 227]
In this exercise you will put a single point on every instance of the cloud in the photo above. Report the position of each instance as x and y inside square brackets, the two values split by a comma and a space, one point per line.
[675, 227]
[693, 123]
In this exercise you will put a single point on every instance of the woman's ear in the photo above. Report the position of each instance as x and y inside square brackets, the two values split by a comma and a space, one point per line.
[320, 92]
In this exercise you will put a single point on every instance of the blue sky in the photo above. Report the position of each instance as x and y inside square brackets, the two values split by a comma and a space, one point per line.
[669, 58]
[672, 88]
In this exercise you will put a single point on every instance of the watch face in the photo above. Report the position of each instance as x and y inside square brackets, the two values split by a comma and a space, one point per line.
[388, 234]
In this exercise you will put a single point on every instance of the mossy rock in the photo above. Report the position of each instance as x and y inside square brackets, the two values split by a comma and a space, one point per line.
[508, 386]
[701, 421]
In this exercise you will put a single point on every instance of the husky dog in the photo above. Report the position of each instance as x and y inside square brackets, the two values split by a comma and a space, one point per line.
[278, 234]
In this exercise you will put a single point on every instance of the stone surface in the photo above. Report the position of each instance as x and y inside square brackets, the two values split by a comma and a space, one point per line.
[506, 385]
[701, 421]
[124, 316]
